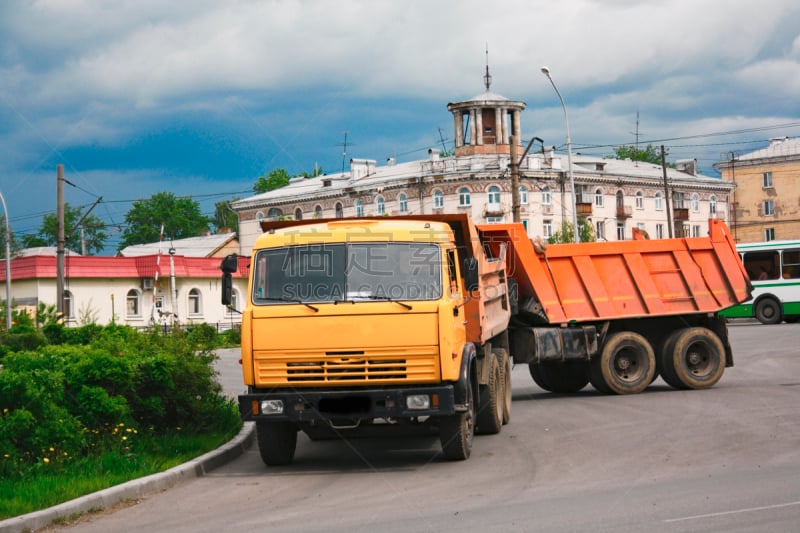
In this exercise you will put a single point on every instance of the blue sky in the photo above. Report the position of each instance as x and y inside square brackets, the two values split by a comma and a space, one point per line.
[200, 98]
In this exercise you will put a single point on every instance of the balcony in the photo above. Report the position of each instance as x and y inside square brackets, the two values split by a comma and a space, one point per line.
[493, 209]
[584, 209]
[624, 211]
[680, 214]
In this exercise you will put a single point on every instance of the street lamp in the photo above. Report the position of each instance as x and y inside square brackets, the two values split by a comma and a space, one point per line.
[546, 72]
[8, 264]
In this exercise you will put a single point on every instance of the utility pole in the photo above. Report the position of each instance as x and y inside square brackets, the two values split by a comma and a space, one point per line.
[8, 263]
[515, 216]
[666, 189]
[60, 242]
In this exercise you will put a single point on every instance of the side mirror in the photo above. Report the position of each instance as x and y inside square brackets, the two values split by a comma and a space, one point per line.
[230, 264]
[227, 289]
[470, 272]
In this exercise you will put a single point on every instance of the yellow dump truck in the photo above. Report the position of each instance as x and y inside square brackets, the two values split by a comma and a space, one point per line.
[372, 325]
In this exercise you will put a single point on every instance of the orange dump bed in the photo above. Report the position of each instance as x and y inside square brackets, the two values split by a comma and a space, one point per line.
[638, 278]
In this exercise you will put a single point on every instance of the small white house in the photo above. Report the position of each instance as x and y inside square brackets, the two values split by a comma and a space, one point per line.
[138, 291]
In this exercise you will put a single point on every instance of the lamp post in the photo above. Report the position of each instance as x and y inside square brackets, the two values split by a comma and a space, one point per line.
[546, 72]
[8, 264]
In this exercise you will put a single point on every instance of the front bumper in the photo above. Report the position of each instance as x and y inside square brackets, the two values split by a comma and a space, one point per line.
[310, 405]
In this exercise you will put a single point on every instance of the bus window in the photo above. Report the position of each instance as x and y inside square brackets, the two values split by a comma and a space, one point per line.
[762, 265]
[791, 264]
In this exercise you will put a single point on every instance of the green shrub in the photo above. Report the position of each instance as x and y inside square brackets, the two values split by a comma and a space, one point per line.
[60, 403]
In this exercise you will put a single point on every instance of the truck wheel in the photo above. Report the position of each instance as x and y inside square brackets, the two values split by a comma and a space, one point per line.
[538, 376]
[626, 364]
[456, 431]
[693, 358]
[277, 442]
[768, 311]
[490, 410]
[566, 377]
[505, 366]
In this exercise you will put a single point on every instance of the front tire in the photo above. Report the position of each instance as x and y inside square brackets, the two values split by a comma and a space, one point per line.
[277, 442]
[566, 377]
[456, 431]
[626, 364]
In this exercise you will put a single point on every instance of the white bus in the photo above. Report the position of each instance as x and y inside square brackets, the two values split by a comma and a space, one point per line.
[774, 269]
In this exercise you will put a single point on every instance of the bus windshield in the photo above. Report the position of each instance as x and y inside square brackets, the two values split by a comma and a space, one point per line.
[347, 272]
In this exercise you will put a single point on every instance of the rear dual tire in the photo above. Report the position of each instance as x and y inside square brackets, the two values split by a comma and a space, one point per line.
[692, 358]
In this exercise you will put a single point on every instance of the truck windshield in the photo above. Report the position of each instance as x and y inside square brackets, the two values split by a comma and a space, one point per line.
[347, 272]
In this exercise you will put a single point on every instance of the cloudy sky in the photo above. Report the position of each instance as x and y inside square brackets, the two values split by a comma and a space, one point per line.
[200, 98]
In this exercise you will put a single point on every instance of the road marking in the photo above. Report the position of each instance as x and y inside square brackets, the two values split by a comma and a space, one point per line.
[736, 511]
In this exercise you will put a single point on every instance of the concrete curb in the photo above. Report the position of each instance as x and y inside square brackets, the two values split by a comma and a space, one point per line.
[136, 488]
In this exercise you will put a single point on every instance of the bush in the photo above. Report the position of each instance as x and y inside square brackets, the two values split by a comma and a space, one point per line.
[61, 403]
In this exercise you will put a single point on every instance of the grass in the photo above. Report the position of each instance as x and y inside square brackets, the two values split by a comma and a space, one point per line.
[46, 486]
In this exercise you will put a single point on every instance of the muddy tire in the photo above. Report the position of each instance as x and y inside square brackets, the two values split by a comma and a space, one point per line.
[692, 358]
[277, 442]
[457, 430]
[626, 364]
[566, 377]
[538, 376]
[490, 410]
[505, 367]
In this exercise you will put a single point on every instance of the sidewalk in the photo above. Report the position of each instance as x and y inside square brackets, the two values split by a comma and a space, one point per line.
[231, 381]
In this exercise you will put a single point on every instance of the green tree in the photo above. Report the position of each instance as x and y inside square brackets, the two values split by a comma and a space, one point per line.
[224, 216]
[94, 235]
[649, 154]
[567, 233]
[275, 179]
[181, 218]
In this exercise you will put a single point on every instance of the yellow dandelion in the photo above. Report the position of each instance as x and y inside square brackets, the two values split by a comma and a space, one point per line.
[52, 449]
[7, 456]
[124, 437]
[46, 459]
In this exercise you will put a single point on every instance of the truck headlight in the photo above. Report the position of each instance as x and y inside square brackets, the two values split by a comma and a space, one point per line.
[271, 407]
[418, 402]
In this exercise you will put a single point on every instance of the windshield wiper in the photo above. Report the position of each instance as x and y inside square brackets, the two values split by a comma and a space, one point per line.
[290, 300]
[387, 299]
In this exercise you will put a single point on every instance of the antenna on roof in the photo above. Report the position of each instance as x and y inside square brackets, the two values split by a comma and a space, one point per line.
[487, 78]
[344, 150]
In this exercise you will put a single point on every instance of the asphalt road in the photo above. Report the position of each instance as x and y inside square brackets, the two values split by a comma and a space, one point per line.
[724, 459]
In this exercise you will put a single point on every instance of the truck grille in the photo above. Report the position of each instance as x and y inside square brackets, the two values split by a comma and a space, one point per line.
[348, 367]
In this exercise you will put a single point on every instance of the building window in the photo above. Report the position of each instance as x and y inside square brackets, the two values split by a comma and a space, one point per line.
[259, 216]
[712, 206]
[194, 302]
[766, 180]
[547, 229]
[525, 225]
[677, 200]
[659, 231]
[547, 196]
[695, 230]
[639, 200]
[769, 208]
[274, 213]
[318, 211]
[659, 201]
[601, 230]
[380, 204]
[339, 210]
[523, 196]
[463, 196]
[494, 220]
[494, 195]
[298, 214]
[403, 200]
[438, 199]
[69, 311]
[695, 203]
[359, 208]
[132, 304]
[598, 197]
[620, 231]
[769, 234]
